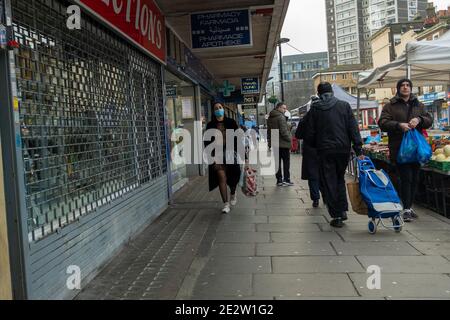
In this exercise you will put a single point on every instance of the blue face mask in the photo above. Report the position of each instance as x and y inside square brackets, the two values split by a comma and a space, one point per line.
[219, 113]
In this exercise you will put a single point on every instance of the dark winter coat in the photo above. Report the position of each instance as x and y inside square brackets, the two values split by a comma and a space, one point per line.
[233, 171]
[332, 128]
[310, 162]
[277, 120]
[398, 111]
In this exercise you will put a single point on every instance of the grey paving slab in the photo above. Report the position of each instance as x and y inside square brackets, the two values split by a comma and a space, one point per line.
[355, 248]
[427, 225]
[291, 219]
[405, 285]
[308, 285]
[245, 205]
[271, 188]
[351, 225]
[233, 249]
[236, 226]
[295, 249]
[300, 206]
[293, 265]
[412, 264]
[304, 237]
[238, 265]
[282, 196]
[287, 227]
[244, 237]
[235, 285]
[432, 248]
[271, 212]
[237, 210]
[299, 297]
[425, 218]
[290, 203]
[432, 235]
[447, 257]
[381, 235]
[244, 219]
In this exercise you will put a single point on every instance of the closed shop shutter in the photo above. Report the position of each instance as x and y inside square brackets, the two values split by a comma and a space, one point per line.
[92, 139]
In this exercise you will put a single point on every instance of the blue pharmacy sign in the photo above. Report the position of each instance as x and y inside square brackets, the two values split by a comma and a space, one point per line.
[249, 85]
[219, 29]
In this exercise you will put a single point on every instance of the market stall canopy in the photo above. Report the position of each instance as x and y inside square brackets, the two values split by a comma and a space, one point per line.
[341, 94]
[429, 62]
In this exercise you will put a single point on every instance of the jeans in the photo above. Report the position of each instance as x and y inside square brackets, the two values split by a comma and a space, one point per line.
[314, 189]
[409, 175]
[285, 157]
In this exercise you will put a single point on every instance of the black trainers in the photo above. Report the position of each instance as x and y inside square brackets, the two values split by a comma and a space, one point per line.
[337, 223]
[315, 203]
[288, 183]
[407, 217]
[414, 215]
[280, 183]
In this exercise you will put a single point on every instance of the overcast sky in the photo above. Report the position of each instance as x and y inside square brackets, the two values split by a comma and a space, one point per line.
[305, 25]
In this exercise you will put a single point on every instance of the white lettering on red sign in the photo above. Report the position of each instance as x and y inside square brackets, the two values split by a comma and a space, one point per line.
[139, 20]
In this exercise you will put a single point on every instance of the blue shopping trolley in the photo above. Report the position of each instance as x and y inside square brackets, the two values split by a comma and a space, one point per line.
[379, 194]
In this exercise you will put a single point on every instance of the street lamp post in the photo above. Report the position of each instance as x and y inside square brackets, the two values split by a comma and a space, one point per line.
[282, 40]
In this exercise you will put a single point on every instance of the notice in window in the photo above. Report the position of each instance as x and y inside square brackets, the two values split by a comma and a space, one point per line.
[188, 108]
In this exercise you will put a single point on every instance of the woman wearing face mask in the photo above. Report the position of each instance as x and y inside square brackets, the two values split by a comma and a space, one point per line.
[223, 174]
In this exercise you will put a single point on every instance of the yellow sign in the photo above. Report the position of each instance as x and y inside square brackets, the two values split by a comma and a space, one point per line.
[16, 104]
[444, 105]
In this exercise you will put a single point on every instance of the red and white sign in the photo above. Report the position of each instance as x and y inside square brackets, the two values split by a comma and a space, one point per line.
[140, 21]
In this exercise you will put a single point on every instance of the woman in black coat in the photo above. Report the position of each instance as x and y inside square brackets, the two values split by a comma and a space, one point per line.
[221, 175]
[310, 163]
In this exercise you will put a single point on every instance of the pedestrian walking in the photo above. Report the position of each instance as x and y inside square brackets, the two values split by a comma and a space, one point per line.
[331, 130]
[223, 174]
[277, 121]
[310, 162]
[402, 113]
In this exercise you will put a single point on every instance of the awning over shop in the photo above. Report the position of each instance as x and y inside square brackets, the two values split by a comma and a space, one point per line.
[429, 62]
[229, 64]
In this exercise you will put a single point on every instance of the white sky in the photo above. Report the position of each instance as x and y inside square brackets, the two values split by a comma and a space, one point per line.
[305, 25]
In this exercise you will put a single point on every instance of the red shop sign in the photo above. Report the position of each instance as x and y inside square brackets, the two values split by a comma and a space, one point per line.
[140, 21]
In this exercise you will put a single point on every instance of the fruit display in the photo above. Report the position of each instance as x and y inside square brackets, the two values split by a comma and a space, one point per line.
[440, 159]
[377, 151]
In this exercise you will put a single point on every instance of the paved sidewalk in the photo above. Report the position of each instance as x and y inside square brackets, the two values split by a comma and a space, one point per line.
[274, 246]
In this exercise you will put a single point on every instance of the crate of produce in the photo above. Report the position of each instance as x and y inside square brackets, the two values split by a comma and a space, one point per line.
[442, 166]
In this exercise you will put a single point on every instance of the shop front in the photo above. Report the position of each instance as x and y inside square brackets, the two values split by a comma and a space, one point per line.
[83, 137]
[180, 106]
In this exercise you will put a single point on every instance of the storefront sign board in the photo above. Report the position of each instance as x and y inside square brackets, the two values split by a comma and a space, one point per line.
[141, 22]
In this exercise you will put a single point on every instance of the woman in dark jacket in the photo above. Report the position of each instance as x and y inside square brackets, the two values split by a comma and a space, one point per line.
[310, 163]
[221, 175]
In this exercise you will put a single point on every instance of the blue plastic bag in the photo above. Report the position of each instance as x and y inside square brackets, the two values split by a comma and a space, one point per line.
[424, 151]
[414, 148]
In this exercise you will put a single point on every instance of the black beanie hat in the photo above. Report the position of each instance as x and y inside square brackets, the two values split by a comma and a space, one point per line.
[399, 83]
[324, 87]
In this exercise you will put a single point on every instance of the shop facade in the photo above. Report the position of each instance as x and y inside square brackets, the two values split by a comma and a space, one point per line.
[189, 98]
[83, 138]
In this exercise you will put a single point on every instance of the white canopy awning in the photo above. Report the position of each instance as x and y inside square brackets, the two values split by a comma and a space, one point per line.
[429, 62]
